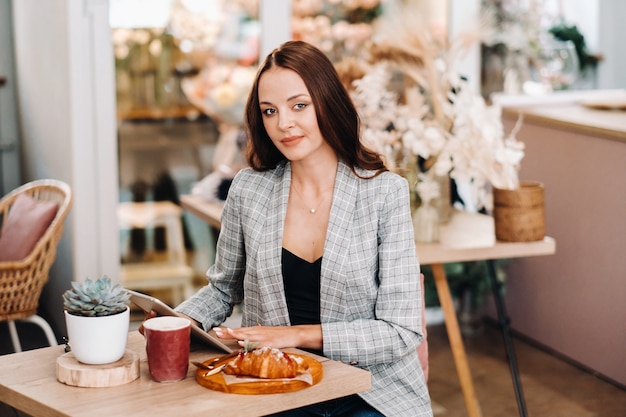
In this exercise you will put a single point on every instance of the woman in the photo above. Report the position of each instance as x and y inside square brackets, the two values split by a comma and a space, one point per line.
[317, 240]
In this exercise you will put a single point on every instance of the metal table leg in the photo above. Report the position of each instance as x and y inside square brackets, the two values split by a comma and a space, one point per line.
[504, 322]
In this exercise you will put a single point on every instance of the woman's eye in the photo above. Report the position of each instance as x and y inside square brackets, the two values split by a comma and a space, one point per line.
[300, 106]
[268, 112]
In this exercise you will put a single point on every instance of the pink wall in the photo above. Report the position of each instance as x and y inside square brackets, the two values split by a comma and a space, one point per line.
[575, 301]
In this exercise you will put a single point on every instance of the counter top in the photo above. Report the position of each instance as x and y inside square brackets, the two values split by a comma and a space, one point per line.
[579, 112]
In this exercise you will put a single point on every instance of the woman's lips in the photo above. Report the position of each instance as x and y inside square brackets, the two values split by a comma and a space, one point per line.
[291, 140]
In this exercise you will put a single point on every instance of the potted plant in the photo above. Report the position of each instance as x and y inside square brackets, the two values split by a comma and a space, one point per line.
[97, 317]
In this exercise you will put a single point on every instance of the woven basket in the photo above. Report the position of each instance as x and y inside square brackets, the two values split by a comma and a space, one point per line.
[519, 215]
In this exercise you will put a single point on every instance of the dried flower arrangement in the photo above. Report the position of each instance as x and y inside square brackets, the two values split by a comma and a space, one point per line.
[339, 28]
[417, 111]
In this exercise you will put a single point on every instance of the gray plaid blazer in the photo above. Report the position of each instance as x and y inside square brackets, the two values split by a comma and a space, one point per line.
[370, 284]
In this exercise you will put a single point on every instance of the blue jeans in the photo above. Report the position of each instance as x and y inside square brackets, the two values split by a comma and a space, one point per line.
[351, 406]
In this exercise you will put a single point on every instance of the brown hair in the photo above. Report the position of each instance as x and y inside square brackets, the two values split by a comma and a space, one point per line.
[337, 117]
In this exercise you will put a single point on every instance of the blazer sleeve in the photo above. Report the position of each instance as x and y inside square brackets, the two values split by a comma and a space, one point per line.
[214, 303]
[393, 329]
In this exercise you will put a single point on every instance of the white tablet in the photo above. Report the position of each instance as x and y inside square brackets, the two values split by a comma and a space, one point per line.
[148, 303]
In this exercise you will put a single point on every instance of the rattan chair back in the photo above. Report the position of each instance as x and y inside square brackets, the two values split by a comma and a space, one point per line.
[21, 282]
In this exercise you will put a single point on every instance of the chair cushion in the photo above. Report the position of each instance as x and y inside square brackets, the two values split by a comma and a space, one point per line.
[27, 221]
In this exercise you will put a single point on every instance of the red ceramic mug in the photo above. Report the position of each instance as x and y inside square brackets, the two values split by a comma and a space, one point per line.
[167, 347]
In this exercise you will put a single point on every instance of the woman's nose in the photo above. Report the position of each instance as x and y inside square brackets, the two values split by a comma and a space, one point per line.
[285, 122]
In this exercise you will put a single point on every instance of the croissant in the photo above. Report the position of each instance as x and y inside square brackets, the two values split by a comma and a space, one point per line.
[266, 362]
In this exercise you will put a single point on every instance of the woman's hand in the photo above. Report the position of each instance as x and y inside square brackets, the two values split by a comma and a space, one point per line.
[303, 336]
[149, 314]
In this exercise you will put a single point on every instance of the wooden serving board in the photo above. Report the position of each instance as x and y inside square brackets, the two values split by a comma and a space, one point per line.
[217, 382]
[72, 372]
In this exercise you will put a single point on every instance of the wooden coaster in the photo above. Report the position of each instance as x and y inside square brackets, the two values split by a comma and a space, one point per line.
[72, 372]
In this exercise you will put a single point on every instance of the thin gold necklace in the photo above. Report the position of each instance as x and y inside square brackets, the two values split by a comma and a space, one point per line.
[312, 210]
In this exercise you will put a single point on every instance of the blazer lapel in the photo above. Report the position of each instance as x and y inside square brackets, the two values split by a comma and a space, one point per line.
[269, 266]
[338, 237]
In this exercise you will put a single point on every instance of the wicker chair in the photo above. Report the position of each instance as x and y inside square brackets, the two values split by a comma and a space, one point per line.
[22, 281]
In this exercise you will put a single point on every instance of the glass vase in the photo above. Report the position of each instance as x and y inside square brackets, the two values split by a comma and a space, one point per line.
[556, 64]
[426, 223]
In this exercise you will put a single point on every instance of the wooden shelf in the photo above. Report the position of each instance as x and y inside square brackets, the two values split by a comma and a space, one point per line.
[179, 112]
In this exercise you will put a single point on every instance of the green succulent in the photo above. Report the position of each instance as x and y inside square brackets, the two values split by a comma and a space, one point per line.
[95, 298]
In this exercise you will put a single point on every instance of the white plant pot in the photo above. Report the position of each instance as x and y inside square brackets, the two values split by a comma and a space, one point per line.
[98, 340]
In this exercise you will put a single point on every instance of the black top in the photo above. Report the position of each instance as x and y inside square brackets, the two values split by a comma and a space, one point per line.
[301, 280]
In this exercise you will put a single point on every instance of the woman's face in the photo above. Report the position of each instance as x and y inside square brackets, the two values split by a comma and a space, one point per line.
[289, 115]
